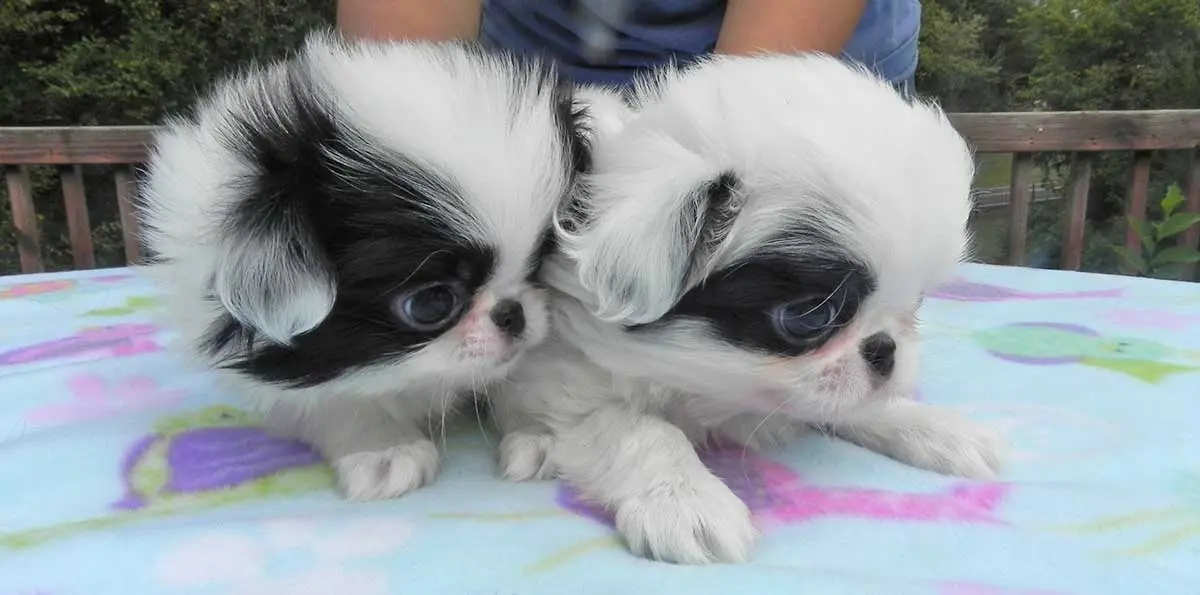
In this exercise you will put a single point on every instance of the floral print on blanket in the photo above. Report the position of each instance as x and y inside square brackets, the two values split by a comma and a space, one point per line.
[93, 396]
[289, 555]
[96, 342]
[1174, 525]
[776, 495]
[1056, 343]
[129, 470]
[964, 290]
[212, 457]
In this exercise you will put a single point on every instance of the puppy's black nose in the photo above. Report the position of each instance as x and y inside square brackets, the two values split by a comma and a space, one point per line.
[509, 317]
[880, 352]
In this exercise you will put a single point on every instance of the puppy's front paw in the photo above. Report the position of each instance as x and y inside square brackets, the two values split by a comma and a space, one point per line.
[688, 524]
[526, 456]
[948, 443]
[388, 473]
[976, 451]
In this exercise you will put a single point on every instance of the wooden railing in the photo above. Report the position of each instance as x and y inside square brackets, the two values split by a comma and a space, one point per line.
[1082, 134]
[69, 149]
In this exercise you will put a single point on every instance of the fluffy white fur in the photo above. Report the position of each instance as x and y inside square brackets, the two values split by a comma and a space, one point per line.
[618, 413]
[443, 106]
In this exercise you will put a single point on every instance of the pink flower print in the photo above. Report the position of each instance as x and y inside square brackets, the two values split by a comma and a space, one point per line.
[28, 289]
[1157, 319]
[111, 278]
[212, 558]
[118, 340]
[93, 397]
[963, 290]
[240, 563]
[777, 495]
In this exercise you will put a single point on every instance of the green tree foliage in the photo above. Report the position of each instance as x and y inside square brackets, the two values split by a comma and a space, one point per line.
[131, 61]
[954, 60]
[1159, 253]
[973, 57]
[1019, 55]
[116, 62]
[1112, 54]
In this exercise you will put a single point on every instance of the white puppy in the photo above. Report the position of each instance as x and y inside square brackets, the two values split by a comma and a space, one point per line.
[351, 238]
[749, 260]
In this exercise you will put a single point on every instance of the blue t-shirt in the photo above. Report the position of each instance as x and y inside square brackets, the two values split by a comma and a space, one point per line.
[611, 41]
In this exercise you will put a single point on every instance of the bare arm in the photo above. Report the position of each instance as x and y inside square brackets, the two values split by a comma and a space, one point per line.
[788, 25]
[436, 20]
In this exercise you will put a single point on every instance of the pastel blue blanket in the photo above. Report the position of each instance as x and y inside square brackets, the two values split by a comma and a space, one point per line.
[124, 471]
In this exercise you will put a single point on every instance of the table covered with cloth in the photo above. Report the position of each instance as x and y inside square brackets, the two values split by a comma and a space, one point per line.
[125, 470]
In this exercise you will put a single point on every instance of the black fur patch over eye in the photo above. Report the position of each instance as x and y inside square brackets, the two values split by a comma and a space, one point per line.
[379, 221]
[767, 302]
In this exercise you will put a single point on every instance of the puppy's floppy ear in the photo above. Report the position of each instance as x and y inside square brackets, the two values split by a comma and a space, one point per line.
[597, 114]
[649, 226]
[607, 111]
[270, 271]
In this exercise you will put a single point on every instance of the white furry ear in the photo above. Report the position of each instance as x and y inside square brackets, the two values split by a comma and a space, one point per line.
[269, 269]
[606, 110]
[270, 279]
[645, 225]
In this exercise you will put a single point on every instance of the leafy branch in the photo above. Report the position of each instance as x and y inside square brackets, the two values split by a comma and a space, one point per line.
[1151, 259]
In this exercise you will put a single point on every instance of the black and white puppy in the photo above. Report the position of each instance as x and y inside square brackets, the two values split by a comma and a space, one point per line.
[749, 261]
[351, 237]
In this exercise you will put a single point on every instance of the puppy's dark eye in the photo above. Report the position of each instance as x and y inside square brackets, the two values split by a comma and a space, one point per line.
[430, 307]
[806, 320]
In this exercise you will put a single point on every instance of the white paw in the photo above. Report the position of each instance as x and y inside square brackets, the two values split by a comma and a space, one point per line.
[955, 445]
[389, 473]
[701, 523]
[526, 456]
